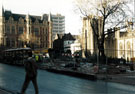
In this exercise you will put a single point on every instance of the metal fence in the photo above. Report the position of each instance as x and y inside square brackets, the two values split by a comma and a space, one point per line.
[127, 55]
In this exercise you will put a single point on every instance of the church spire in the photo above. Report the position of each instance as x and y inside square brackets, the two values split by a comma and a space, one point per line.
[50, 17]
[1, 10]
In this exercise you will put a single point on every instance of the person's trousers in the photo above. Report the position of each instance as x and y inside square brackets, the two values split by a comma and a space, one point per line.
[26, 83]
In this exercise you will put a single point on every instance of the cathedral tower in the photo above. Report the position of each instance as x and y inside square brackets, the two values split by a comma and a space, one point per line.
[1, 24]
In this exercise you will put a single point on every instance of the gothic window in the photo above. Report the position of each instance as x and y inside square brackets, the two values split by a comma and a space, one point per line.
[13, 29]
[20, 30]
[8, 42]
[10, 20]
[46, 31]
[21, 21]
[121, 49]
[128, 49]
[36, 21]
[7, 29]
[36, 31]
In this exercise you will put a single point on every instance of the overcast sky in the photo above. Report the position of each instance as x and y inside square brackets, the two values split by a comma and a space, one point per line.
[39, 7]
[73, 21]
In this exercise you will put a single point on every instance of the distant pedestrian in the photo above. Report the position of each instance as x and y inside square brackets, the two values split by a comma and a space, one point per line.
[37, 58]
[31, 74]
[95, 68]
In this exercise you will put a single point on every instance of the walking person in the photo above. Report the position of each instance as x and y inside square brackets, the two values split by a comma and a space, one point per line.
[37, 58]
[31, 74]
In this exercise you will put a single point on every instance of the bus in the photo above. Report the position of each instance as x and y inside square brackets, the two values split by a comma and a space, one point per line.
[16, 56]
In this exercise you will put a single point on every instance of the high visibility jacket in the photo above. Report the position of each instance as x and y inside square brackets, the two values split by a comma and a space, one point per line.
[36, 57]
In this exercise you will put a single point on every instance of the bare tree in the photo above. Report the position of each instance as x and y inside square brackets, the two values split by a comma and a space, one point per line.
[29, 39]
[33, 38]
[23, 38]
[110, 13]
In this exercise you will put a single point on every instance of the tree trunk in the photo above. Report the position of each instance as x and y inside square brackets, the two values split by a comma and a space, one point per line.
[101, 52]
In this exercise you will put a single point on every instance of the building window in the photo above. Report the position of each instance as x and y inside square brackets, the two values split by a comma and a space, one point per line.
[121, 50]
[13, 42]
[1, 29]
[13, 29]
[43, 31]
[60, 25]
[46, 31]
[36, 31]
[54, 24]
[20, 30]
[128, 49]
[8, 42]
[46, 45]
[55, 31]
[7, 29]
[20, 44]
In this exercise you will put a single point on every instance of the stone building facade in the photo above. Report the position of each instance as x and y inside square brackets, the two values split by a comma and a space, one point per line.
[126, 44]
[120, 44]
[87, 38]
[16, 30]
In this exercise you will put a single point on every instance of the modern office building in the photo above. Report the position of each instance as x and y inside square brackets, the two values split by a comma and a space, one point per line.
[17, 30]
[58, 25]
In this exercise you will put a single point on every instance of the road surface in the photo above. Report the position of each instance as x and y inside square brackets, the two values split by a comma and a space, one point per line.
[12, 77]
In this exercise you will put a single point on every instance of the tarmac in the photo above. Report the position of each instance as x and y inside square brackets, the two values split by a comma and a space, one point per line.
[4, 92]
[126, 78]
